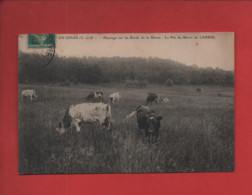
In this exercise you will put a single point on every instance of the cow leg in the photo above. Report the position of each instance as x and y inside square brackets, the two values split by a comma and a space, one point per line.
[24, 98]
[147, 135]
[139, 131]
[34, 97]
[107, 123]
[153, 139]
[156, 133]
[150, 139]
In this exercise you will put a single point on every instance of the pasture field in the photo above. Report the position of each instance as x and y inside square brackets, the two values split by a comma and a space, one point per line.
[196, 134]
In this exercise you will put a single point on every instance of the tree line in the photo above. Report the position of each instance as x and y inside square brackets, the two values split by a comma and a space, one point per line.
[94, 70]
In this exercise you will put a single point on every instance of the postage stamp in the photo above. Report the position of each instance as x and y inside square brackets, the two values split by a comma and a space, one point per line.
[41, 40]
[126, 103]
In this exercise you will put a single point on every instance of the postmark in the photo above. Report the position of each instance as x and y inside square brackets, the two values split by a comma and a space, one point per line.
[45, 43]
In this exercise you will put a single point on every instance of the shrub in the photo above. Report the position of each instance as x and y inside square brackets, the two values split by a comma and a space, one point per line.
[169, 82]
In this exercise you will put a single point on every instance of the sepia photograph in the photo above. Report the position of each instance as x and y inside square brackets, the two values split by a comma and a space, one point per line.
[126, 103]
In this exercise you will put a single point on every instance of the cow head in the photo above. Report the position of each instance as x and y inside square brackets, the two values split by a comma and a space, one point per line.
[35, 97]
[164, 99]
[99, 95]
[60, 128]
[153, 122]
[90, 95]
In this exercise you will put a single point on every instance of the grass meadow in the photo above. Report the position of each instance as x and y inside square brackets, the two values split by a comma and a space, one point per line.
[196, 133]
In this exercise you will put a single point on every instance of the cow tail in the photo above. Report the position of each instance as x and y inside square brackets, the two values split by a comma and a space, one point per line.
[130, 115]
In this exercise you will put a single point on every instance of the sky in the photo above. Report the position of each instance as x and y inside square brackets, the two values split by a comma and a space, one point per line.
[202, 49]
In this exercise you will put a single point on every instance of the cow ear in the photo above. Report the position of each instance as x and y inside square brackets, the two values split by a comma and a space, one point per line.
[159, 117]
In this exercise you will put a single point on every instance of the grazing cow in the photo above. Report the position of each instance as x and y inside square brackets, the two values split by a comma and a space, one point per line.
[28, 93]
[114, 97]
[164, 99]
[152, 97]
[86, 113]
[148, 120]
[95, 95]
[199, 90]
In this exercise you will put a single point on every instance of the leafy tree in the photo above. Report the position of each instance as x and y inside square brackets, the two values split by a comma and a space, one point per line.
[95, 70]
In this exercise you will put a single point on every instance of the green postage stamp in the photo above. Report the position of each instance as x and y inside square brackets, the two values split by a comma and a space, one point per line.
[41, 40]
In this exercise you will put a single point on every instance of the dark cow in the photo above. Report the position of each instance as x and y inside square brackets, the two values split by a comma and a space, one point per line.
[152, 97]
[95, 95]
[148, 120]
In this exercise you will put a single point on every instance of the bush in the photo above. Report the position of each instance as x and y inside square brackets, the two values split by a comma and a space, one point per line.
[169, 83]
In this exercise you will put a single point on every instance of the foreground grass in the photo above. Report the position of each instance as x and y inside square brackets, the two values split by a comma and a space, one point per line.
[196, 134]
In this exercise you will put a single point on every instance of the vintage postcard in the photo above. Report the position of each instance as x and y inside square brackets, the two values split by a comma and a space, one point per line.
[126, 103]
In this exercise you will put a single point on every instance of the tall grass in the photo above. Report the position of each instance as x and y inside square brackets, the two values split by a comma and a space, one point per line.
[196, 134]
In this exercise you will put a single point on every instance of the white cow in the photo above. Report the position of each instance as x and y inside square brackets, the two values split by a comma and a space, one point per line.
[164, 99]
[85, 112]
[28, 93]
[114, 97]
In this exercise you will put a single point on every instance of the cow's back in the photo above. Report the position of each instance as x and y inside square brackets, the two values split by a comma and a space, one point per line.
[112, 95]
[89, 111]
[152, 95]
[142, 111]
[28, 92]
